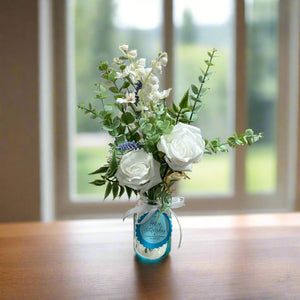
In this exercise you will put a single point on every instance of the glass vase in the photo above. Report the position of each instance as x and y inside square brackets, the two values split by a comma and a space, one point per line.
[152, 233]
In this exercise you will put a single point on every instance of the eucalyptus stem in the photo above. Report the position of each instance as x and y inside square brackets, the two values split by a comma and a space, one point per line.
[203, 80]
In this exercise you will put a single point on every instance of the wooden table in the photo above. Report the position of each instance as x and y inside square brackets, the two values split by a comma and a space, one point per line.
[224, 257]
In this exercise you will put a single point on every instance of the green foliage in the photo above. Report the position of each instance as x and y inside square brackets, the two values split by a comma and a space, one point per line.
[127, 118]
[198, 93]
[246, 138]
[89, 110]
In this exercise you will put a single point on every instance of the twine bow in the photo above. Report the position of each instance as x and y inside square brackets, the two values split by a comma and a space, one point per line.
[142, 208]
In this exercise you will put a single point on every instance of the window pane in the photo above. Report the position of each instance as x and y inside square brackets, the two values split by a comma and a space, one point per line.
[201, 25]
[99, 27]
[262, 92]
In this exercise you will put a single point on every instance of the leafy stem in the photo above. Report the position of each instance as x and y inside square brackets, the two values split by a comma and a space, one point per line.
[178, 115]
[209, 64]
[246, 138]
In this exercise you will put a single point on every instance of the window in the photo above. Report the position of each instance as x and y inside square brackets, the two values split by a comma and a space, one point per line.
[247, 90]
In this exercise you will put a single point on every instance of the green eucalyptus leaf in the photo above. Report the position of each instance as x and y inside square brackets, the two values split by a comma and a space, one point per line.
[127, 118]
[107, 128]
[187, 116]
[142, 121]
[136, 137]
[108, 107]
[194, 89]
[103, 66]
[249, 132]
[147, 128]
[201, 79]
[125, 85]
[203, 91]
[112, 76]
[208, 63]
[168, 129]
[196, 99]
[116, 123]
[209, 74]
[114, 89]
[120, 139]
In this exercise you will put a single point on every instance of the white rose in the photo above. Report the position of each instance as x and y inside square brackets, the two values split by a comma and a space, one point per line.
[183, 147]
[138, 170]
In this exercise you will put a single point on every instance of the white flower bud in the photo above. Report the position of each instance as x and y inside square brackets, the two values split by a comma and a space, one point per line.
[156, 66]
[123, 47]
[132, 54]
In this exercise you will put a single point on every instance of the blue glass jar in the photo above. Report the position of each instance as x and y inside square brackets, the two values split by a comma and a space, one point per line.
[152, 233]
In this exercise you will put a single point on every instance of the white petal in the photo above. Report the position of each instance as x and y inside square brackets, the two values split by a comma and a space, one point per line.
[164, 94]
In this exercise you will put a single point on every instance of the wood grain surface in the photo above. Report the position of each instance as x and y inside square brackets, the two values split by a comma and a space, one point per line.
[224, 257]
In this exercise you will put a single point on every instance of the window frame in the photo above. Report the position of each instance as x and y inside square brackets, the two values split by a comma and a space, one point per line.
[237, 202]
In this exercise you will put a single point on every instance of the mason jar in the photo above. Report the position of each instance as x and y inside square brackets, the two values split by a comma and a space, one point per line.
[152, 232]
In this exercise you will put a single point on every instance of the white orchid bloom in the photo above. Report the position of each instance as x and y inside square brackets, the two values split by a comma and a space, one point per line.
[128, 71]
[132, 54]
[156, 66]
[130, 98]
[119, 75]
[140, 72]
[145, 95]
[164, 58]
[147, 88]
[156, 96]
[146, 75]
[164, 94]
[153, 79]
[139, 68]
[123, 47]
[140, 63]
[117, 60]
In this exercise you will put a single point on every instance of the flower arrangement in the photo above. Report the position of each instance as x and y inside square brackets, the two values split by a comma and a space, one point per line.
[154, 141]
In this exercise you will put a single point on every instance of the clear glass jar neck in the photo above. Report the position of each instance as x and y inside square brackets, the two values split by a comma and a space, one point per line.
[148, 201]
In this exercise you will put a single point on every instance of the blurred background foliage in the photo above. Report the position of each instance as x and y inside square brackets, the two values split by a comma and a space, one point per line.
[97, 36]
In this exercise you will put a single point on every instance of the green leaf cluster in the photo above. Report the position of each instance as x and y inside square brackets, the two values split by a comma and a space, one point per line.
[152, 128]
[246, 138]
